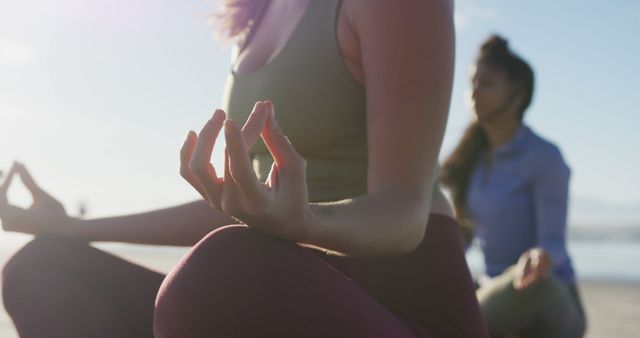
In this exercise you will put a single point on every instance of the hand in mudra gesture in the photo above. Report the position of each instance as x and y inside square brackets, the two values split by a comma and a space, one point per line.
[278, 206]
[533, 266]
[46, 214]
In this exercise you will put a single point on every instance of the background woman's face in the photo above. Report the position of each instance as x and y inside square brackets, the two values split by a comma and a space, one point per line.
[490, 90]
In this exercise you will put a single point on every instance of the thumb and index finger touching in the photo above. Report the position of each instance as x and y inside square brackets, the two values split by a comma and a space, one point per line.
[4, 188]
[281, 149]
[28, 181]
[26, 178]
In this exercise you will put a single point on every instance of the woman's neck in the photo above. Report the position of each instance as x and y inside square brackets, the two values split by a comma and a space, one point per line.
[500, 132]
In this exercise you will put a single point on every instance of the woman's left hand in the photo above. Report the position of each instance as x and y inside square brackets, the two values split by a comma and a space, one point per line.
[45, 215]
[278, 206]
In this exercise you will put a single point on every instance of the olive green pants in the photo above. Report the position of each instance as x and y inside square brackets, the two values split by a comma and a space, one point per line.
[547, 309]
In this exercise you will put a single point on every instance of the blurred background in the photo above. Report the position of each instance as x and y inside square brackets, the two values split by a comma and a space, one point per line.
[97, 96]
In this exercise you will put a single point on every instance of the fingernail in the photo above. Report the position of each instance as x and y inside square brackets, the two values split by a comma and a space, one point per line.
[218, 114]
[188, 138]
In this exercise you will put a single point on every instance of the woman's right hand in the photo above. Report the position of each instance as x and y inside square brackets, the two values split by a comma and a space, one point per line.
[278, 206]
[533, 266]
[45, 215]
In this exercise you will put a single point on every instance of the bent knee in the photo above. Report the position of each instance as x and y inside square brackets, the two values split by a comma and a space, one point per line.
[27, 258]
[17, 274]
[237, 241]
[42, 250]
[39, 255]
[222, 279]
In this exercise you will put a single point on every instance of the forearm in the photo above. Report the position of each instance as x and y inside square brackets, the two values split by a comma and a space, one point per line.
[379, 224]
[182, 225]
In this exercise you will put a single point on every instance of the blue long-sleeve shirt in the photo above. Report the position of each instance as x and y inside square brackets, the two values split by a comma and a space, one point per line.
[518, 199]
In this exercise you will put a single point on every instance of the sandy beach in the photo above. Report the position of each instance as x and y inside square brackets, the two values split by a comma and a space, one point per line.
[613, 308]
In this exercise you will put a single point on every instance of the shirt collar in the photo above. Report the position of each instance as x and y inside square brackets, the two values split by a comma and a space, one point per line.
[516, 142]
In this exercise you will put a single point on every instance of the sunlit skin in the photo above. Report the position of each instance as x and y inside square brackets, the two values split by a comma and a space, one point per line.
[276, 27]
[495, 101]
[279, 205]
[393, 178]
[534, 265]
[385, 47]
[44, 213]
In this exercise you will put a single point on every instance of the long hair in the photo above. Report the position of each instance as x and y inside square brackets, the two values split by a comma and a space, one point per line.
[235, 17]
[456, 172]
[458, 167]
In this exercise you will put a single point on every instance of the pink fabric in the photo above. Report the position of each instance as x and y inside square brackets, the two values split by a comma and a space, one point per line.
[55, 287]
[431, 287]
[238, 282]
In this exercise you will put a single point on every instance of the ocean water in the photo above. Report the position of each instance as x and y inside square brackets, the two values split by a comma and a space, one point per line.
[599, 259]
[593, 259]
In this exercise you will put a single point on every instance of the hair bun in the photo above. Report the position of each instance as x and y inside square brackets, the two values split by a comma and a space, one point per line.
[495, 44]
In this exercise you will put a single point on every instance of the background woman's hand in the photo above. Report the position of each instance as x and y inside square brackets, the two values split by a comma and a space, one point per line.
[534, 265]
[278, 206]
[46, 214]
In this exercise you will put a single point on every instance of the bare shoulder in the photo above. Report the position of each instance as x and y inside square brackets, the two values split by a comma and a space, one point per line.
[386, 11]
[401, 37]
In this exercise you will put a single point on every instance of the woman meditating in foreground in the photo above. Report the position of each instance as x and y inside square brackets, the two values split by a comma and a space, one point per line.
[330, 228]
[511, 187]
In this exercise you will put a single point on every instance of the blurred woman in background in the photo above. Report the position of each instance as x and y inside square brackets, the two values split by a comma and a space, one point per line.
[510, 190]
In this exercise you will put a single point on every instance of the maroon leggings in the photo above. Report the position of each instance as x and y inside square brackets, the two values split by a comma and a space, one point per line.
[237, 282]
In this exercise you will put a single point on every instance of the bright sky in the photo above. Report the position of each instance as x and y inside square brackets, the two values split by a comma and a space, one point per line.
[96, 96]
